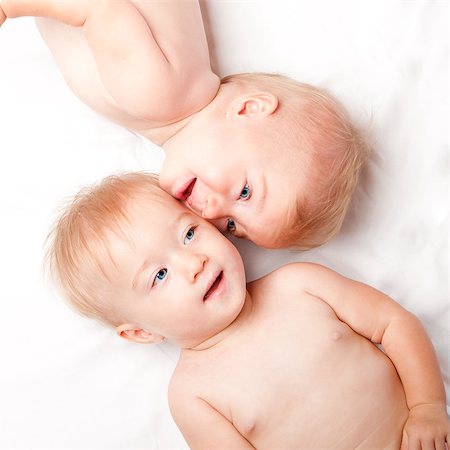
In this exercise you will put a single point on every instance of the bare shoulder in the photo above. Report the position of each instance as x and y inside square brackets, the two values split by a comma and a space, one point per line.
[149, 73]
[291, 277]
[179, 390]
[187, 379]
[186, 399]
[202, 424]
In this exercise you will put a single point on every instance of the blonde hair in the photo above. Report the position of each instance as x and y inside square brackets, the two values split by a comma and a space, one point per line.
[319, 130]
[78, 244]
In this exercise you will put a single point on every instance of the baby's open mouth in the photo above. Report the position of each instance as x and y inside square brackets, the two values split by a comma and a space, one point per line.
[186, 192]
[213, 287]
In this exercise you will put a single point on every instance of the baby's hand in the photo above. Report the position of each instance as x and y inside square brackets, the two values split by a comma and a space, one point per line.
[427, 428]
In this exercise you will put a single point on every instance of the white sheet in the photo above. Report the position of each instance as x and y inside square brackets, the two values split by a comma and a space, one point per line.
[68, 383]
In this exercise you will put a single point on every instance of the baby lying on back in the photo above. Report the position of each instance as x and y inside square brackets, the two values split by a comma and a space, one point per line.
[261, 156]
[287, 361]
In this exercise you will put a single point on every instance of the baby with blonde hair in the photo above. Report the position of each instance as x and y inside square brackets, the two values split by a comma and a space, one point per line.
[261, 156]
[286, 361]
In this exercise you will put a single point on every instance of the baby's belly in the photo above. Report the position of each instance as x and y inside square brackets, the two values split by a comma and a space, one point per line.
[335, 391]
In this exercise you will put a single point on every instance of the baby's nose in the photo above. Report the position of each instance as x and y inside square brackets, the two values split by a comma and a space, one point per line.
[198, 196]
[214, 207]
[194, 265]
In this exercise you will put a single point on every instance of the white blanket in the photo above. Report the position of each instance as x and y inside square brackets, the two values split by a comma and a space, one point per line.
[67, 382]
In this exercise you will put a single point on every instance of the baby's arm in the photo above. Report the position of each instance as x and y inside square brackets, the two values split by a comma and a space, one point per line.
[202, 426]
[380, 319]
[152, 57]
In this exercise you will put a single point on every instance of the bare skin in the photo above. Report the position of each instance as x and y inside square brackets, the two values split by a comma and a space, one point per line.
[290, 362]
[145, 65]
[114, 89]
[319, 372]
[130, 74]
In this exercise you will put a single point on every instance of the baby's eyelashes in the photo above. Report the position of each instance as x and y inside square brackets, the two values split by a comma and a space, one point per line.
[159, 276]
[189, 235]
[231, 226]
[246, 193]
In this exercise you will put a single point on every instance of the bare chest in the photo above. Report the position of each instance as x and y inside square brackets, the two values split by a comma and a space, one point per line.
[297, 366]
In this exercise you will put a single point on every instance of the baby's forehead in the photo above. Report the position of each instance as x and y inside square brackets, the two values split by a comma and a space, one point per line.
[149, 223]
[133, 214]
[155, 219]
[155, 205]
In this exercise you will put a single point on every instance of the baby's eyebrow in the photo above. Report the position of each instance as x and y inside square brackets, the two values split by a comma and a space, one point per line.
[260, 195]
[181, 217]
[141, 269]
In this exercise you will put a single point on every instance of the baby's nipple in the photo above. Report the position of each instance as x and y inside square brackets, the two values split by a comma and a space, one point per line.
[336, 335]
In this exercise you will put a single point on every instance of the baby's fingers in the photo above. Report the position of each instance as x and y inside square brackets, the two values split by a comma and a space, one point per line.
[404, 444]
[412, 442]
[409, 442]
[440, 445]
[427, 444]
[443, 444]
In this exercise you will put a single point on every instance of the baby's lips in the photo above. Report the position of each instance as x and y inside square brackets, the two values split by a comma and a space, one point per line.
[184, 191]
[213, 284]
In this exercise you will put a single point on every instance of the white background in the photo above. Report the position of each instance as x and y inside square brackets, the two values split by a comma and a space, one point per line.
[68, 383]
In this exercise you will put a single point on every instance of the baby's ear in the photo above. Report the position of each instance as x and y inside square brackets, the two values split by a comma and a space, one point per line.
[258, 104]
[133, 333]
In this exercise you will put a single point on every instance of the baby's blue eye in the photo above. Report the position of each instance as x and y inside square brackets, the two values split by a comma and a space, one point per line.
[245, 193]
[160, 275]
[189, 235]
[231, 226]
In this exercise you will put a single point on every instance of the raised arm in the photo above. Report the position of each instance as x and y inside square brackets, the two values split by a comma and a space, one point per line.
[151, 57]
[377, 317]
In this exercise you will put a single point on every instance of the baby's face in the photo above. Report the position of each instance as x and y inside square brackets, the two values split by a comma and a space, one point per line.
[178, 276]
[244, 185]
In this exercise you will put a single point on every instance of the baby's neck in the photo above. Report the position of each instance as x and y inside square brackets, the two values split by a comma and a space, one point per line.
[200, 119]
[226, 335]
[161, 135]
